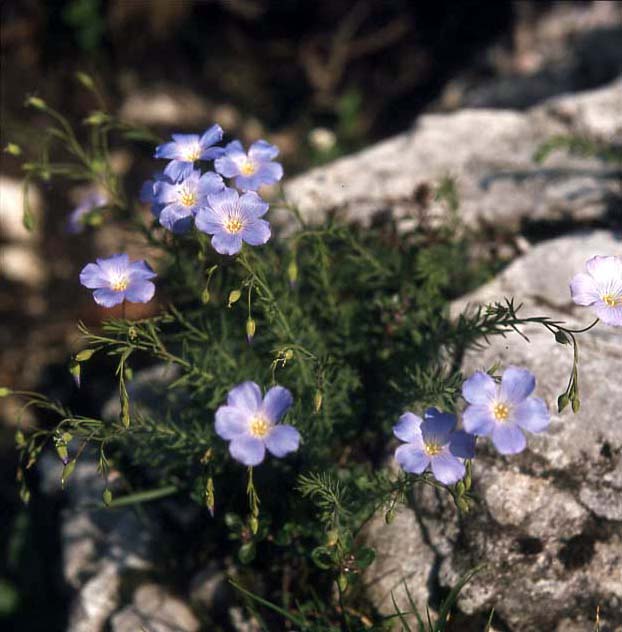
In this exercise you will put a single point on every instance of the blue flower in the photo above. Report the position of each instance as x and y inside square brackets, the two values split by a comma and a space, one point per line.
[188, 148]
[76, 219]
[250, 170]
[252, 424]
[232, 219]
[503, 411]
[178, 202]
[433, 442]
[116, 279]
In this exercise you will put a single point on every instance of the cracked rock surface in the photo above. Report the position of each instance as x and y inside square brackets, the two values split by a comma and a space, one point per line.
[548, 522]
[490, 154]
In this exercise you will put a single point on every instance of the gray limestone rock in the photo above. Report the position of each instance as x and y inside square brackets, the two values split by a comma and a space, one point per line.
[547, 525]
[490, 155]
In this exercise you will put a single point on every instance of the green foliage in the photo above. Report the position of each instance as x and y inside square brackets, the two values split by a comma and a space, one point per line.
[355, 322]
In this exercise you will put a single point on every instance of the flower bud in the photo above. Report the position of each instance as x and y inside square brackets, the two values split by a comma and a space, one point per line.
[4, 391]
[342, 582]
[85, 80]
[289, 355]
[13, 149]
[74, 369]
[107, 497]
[20, 440]
[250, 330]
[575, 403]
[234, 297]
[562, 401]
[36, 102]
[317, 401]
[332, 537]
[205, 296]
[67, 472]
[96, 118]
[84, 355]
[562, 337]
[389, 517]
[253, 524]
[292, 272]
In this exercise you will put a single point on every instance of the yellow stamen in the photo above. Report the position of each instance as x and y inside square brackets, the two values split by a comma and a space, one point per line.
[247, 168]
[188, 198]
[193, 154]
[432, 449]
[612, 301]
[120, 284]
[501, 412]
[234, 225]
[259, 427]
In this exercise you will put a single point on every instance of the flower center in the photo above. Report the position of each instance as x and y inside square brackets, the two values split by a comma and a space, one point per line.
[259, 427]
[501, 412]
[247, 168]
[192, 154]
[612, 301]
[234, 225]
[120, 283]
[188, 198]
[432, 449]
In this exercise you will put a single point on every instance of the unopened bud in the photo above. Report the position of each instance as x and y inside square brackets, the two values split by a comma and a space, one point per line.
[205, 296]
[250, 330]
[253, 524]
[107, 497]
[289, 355]
[576, 404]
[61, 450]
[13, 149]
[389, 517]
[460, 488]
[562, 401]
[84, 355]
[67, 472]
[342, 582]
[4, 391]
[20, 440]
[36, 102]
[209, 496]
[332, 537]
[74, 369]
[234, 297]
[292, 272]
[85, 80]
[317, 401]
[562, 337]
[96, 118]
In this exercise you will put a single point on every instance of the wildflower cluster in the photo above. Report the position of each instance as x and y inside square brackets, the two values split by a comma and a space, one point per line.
[347, 327]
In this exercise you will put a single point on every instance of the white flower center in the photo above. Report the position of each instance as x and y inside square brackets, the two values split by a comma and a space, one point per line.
[247, 167]
[501, 412]
[119, 283]
[187, 198]
[192, 153]
[234, 224]
[611, 300]
[259, 427]
[432, 449]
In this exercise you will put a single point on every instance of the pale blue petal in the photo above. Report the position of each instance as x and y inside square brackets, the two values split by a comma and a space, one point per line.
[508, 438]
[248, 450]
[93, 277]
[263, 151]
[231, 421]
[462, 444]
[517, 384]
[480, 388]
[211, 136]
[282, 440]
[226, 243]
[408, 428]
[107, 297]
[583, 289]
[224, 201]
[270, 172]
[226, 166]
[411, 458]
[437, 426]
[210, 182]
[246, 396]
[478, 420]
[609, 315]
[256, 233]
[140, 291]
[447, 469]
[276, 403]
[141, 270]
[532, 414]
[252, 205]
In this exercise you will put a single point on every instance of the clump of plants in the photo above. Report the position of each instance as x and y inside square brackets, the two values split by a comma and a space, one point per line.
[316, 371]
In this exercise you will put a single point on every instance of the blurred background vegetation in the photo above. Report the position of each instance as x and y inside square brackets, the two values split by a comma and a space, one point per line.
[320, 78]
